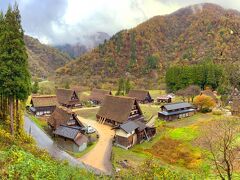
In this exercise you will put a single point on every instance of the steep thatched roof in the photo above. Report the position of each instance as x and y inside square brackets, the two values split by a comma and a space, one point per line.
[140, 95]
[235, 105]
[44, 101]
[60, 117]
[117, 108]
[64, 95]
[209, 93]
[99, 94]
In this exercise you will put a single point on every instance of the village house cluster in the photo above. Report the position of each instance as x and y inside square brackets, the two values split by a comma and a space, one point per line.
[121, 113]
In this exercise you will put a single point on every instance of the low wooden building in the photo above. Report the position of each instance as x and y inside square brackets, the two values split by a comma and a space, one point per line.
[116, 110]
[133, 132]
[174, 111]
[68, 98]
[164, 99]
[70, 138]
[141, 96]
[68, 129]
[97, 95]
[43, 105]
[125, 115]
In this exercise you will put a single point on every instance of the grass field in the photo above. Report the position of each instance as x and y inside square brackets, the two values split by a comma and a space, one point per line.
[88, 113]
[174, 145]
[149, 110]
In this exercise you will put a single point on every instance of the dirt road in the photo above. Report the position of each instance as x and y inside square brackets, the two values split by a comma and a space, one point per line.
[100, 156]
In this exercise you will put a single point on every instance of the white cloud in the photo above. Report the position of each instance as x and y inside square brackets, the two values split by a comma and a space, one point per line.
[68, 21]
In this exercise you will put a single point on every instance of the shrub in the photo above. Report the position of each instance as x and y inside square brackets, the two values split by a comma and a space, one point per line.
[217, 112]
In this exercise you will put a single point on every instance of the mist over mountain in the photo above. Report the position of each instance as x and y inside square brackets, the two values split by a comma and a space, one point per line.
[89, 42]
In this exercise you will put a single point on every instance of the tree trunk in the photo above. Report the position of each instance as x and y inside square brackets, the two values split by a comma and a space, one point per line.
[17, 117]
[11, 107]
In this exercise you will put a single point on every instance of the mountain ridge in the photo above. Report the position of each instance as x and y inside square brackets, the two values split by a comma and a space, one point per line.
[43, 60]
[143, 53]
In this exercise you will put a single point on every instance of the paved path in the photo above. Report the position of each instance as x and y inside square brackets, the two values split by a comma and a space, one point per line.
[100, 156]
[46, 143]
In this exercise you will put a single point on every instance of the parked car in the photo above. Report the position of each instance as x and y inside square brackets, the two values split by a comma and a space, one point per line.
[89, 129]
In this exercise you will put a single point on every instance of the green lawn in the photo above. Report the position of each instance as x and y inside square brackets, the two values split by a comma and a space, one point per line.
[149, 110]
[179, 137]
[88, 113]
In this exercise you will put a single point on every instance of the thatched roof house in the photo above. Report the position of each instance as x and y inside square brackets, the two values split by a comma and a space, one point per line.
[141, 96]
[210, 93]
[42, 105]
[116, 110]
[97, 95]
[64, 116]
[67, 98]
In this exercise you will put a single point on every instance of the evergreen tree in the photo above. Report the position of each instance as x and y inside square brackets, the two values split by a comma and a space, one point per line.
[14, 77]
[127, 86]
[35, 87]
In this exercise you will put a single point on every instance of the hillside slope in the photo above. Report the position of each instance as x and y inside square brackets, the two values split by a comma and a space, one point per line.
[43, 59]
[143, 53]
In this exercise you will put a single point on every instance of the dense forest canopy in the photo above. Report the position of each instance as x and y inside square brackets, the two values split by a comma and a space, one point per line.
[206, 74]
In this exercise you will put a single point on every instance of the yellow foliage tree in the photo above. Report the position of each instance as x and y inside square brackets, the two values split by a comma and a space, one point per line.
[204, 102]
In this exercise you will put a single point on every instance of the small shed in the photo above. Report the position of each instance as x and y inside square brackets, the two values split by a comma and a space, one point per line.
[68, 98]
[141, 96]
[43, 105]
[164, 99]
[72, 139]
[97, 95]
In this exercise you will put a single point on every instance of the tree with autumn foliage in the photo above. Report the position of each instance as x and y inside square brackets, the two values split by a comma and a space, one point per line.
[204, 103]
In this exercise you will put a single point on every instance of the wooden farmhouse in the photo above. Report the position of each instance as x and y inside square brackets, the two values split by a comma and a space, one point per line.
[133, 132]
[164, 99]
[141, 96]
[43, 105]
[125, 115]
[234, 94]
[68, 98]
[97, 95]
[67, 129]
[174, 111]
[235, 106]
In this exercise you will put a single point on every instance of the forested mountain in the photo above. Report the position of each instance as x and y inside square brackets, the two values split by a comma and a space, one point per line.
[143, 53]
[43, 59]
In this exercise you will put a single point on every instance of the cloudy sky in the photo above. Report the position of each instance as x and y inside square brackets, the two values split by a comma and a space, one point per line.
[69, 21]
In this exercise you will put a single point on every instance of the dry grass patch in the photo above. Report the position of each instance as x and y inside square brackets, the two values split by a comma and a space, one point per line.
[175, 152]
